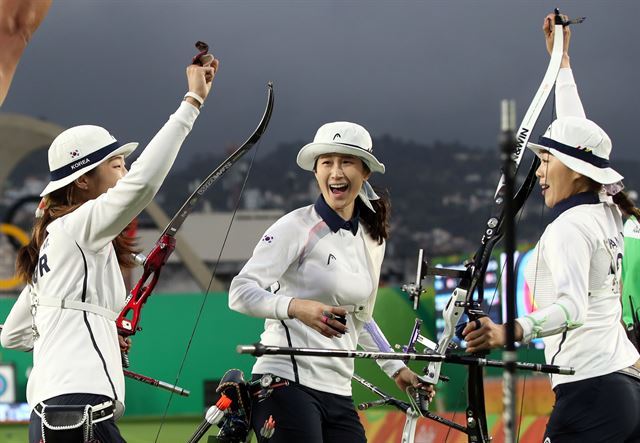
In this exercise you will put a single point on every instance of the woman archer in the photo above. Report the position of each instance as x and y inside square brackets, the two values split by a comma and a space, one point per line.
[322, 265]
[72, 266]
[575, 278]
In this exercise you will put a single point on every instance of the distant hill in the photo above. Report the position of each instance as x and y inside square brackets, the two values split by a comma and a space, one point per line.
[441, 194]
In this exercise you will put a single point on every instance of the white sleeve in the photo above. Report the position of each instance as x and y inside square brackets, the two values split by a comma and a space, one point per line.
[568, 101]
[277, 249]
[372, 339]
[567, 252]
[99, 221]
[16, 331]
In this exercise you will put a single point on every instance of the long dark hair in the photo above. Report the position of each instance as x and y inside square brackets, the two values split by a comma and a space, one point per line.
[377, 223]
[621, 199]
[61, 202]
[626, 205]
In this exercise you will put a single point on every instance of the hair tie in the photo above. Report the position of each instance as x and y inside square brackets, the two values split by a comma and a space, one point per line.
[614, 188]
[42, 206]
[367, 194]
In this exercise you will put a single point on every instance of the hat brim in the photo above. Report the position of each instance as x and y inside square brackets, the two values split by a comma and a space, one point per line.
[605, 176]
[54, 185]
[309, 153]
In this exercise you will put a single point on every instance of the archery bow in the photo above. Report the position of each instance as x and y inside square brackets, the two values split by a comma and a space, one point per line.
[462, 300]
[129, 319]
[411, 416]
[167, 239]
[411, 410]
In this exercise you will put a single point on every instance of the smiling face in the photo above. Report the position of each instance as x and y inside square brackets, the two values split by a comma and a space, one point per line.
[557, 181]
[104, 177]
[340, 178]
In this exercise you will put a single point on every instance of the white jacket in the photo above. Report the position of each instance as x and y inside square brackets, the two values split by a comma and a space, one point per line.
[299, 256]
[574, 276]
[77, 350]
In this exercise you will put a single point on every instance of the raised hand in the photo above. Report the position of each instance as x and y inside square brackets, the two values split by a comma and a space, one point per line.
[548, 30]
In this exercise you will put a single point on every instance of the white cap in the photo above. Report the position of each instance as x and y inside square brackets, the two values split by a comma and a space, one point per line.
[79, 150]
[580, 145]
[340, 138]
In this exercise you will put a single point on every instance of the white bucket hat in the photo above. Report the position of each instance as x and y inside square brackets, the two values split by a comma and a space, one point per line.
[343, 138]
[78, 150]
[580, 145]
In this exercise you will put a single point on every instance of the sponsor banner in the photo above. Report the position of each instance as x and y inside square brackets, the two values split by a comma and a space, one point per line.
[386, 427]
[7, 383]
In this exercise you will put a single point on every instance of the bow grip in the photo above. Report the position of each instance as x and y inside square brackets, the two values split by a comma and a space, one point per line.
[160, 253]
[139, 294]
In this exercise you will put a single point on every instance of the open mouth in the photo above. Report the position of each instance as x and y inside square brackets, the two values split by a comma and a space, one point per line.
[544, 188]
[338, 189]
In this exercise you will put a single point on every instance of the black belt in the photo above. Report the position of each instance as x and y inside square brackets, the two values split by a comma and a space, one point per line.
[100, 412]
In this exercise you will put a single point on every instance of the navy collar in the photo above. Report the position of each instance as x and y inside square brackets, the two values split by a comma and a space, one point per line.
[333, 220]
[583, 198]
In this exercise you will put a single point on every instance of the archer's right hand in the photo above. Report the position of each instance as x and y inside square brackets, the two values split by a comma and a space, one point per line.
[200, 78]
[313, 314]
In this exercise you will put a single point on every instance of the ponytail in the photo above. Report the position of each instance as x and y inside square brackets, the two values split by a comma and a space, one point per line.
[377, 223]
[626, 205]
[60, 203]
[52, 206]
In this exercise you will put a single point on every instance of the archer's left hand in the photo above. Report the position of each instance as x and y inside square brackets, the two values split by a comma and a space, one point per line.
[488, 336]
[125, 343]
[406, 377]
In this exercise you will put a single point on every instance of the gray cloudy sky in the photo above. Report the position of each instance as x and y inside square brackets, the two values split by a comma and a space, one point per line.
[421, 70]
